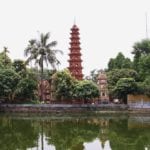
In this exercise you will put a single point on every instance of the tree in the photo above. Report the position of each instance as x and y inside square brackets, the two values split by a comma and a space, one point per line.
[67, 87]
[144, 67]
[85, 90]
[94, 75]
[9, 80]
[41, 51]
[115, 75]
[140, 49]
[5, 61]
[63, 85]
[26, 89]
[125, 86]
[20, 67]
[120, 62]
[144, 87]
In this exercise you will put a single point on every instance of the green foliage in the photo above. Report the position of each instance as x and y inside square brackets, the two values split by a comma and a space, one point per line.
[9, 80]
[20, 67]
[144, 87]
[141, 52]
[144, 67]
[120, 67]
[26, 88]
[41, 51]
[122, 133]
[125, 86]
[140, 49]
[94, 75]
[14, 87]
[67, 87]
[117, 74]
[17, 134]
[33, 73]
[5, 61]
[47, 74]
[120, 62]
[85, 90]
[71, 134]
[15, 80]
[63, 84]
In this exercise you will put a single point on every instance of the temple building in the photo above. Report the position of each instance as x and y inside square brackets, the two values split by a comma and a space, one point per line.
[103, 87]
[75, 66]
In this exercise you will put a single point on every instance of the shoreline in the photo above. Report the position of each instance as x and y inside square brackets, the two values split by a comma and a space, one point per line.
[73, 108]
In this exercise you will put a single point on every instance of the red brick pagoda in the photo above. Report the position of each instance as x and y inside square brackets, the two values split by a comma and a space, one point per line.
[75, 66]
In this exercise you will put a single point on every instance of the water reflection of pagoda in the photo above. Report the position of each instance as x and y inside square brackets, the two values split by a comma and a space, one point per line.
[104, 129]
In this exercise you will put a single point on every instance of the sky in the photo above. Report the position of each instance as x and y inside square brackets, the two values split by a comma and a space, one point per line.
[106, 27]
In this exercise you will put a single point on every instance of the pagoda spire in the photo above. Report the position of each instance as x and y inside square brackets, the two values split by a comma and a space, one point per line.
[75, 66]
[74, 20]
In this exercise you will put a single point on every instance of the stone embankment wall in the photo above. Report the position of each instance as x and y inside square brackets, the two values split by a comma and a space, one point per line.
[62, 107]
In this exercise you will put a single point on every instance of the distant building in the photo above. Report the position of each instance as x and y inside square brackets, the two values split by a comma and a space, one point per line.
[75, 66]
[103, 87]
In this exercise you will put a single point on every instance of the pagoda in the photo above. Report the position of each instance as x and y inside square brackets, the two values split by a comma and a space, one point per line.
[75, 61]
[103, 87]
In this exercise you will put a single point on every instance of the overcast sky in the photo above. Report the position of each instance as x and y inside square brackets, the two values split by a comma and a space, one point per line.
[106, 26]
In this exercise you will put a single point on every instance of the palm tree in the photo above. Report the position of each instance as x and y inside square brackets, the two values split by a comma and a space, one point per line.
[41, 51]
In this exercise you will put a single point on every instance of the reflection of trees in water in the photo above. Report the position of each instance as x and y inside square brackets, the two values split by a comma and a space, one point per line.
[71, 133]
[17, 134]
[122, 138]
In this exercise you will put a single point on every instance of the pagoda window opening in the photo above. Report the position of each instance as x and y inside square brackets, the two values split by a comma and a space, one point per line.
[103, 94]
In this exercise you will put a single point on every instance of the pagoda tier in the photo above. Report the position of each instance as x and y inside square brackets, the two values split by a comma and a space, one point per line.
[75, 66]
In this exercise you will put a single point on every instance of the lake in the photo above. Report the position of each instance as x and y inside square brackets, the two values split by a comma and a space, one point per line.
[80, 132]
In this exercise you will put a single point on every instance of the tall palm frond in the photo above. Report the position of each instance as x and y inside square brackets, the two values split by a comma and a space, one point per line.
[41, 51]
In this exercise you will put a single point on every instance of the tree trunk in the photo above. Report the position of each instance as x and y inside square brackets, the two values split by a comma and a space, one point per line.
[42, 90]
